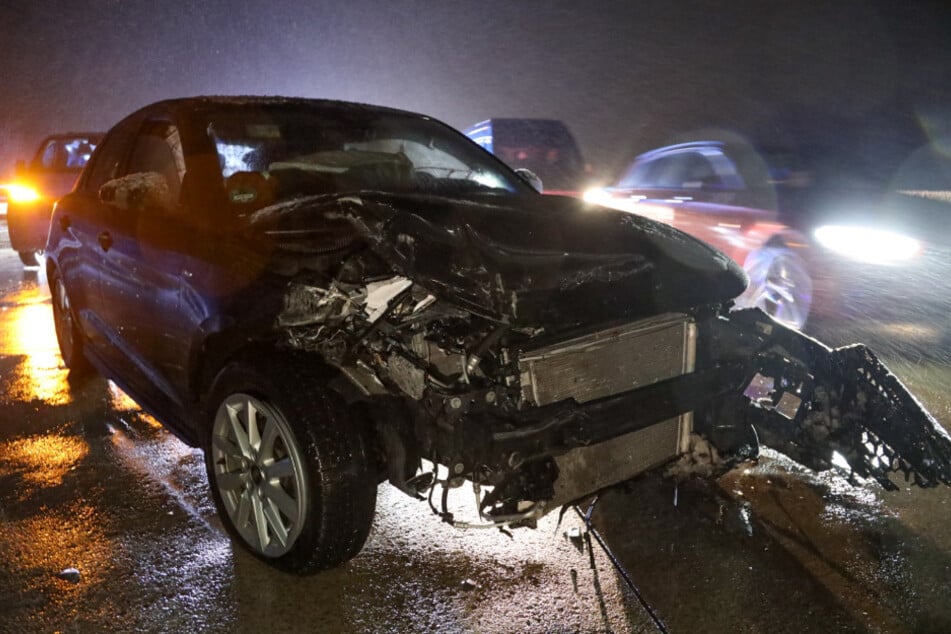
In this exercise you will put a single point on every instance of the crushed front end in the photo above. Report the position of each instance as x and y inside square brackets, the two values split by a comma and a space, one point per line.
[535, 421]
[498, 345]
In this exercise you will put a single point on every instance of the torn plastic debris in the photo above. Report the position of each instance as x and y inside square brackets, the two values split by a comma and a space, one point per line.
[380, 294]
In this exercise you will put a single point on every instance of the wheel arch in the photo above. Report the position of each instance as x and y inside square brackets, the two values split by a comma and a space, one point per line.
[221, 342]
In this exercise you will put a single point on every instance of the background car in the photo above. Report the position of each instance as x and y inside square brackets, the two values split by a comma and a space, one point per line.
[38, 184]
[544, 146]
[821, 232]
[725, 200]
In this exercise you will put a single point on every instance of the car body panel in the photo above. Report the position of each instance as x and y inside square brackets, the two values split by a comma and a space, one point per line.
[530, 261]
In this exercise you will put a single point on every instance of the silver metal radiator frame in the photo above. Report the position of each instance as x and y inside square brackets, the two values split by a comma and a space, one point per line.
[601, 364]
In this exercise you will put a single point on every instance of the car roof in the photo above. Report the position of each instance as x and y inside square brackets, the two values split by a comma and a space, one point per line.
[692, 145]
[202, 102]
[73, 135]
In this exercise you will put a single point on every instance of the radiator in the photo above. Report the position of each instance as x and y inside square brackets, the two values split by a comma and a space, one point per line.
[609, 361]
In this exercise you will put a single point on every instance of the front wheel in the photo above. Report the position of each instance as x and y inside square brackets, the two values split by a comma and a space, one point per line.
[68, 335]
[780, 285]
[289, 472]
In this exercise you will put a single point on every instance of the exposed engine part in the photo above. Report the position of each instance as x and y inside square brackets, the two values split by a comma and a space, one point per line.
[610, 361]
[593, 468]
[380, 294]
[409, 378]
[541, 419]
[701, 459]
[305, 304]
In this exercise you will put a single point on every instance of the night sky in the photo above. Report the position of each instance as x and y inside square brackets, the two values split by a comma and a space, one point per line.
[624, 75]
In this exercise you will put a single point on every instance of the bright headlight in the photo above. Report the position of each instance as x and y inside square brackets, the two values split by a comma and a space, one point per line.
[21, 193]
[868, 245]
[630, 204]
[597, 195]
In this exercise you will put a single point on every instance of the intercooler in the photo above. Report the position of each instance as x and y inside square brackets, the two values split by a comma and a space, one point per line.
[601, 364]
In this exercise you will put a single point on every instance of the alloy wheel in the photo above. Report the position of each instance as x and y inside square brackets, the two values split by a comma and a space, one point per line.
[787, 292]
[258, 470]
[63, 318]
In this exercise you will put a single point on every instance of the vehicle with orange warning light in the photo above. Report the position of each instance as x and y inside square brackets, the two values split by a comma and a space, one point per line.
[50, 174]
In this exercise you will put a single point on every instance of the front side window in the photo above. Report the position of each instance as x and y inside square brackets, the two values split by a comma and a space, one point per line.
[105, 166]
[158, 149]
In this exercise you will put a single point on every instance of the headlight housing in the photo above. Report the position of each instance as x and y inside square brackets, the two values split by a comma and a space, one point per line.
[863, 244]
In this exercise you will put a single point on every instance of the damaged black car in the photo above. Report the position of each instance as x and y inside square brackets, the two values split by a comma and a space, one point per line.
[324, 296]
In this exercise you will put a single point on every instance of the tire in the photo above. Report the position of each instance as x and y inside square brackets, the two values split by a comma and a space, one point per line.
[68, 334]
[292, 478]
[28, 258]
[780, 285]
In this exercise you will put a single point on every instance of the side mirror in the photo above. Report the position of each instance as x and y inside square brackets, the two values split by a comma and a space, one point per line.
[19, 168]
[531, 178]
[134, 192]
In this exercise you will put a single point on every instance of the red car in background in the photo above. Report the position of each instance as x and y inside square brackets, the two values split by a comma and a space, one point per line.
[723, 196]
[37, 185]
[850, 242]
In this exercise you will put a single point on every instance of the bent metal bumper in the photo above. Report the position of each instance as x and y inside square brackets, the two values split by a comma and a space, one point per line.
[816, 401]
[752, 381]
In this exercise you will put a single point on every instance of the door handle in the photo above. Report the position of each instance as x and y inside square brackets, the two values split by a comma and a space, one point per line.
[105, 240]
[64, 222]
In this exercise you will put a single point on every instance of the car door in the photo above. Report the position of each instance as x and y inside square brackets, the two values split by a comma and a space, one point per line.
[140, 273]
[79, 221]
[696, 190]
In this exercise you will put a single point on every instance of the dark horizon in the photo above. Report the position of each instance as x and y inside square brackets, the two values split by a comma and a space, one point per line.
[624, 78]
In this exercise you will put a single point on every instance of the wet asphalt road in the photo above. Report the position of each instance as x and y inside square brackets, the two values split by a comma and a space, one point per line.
[88, 482]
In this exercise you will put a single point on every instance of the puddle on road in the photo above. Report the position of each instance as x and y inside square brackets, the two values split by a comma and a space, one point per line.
[44, 460]
[26, 329]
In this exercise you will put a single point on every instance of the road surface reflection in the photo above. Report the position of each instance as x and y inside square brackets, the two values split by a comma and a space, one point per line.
[28, 332]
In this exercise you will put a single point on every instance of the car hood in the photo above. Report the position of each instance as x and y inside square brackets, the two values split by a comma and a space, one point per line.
[527, 260]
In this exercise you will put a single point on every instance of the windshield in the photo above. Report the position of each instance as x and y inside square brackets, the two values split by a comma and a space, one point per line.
[273, 154]
[64, 154]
